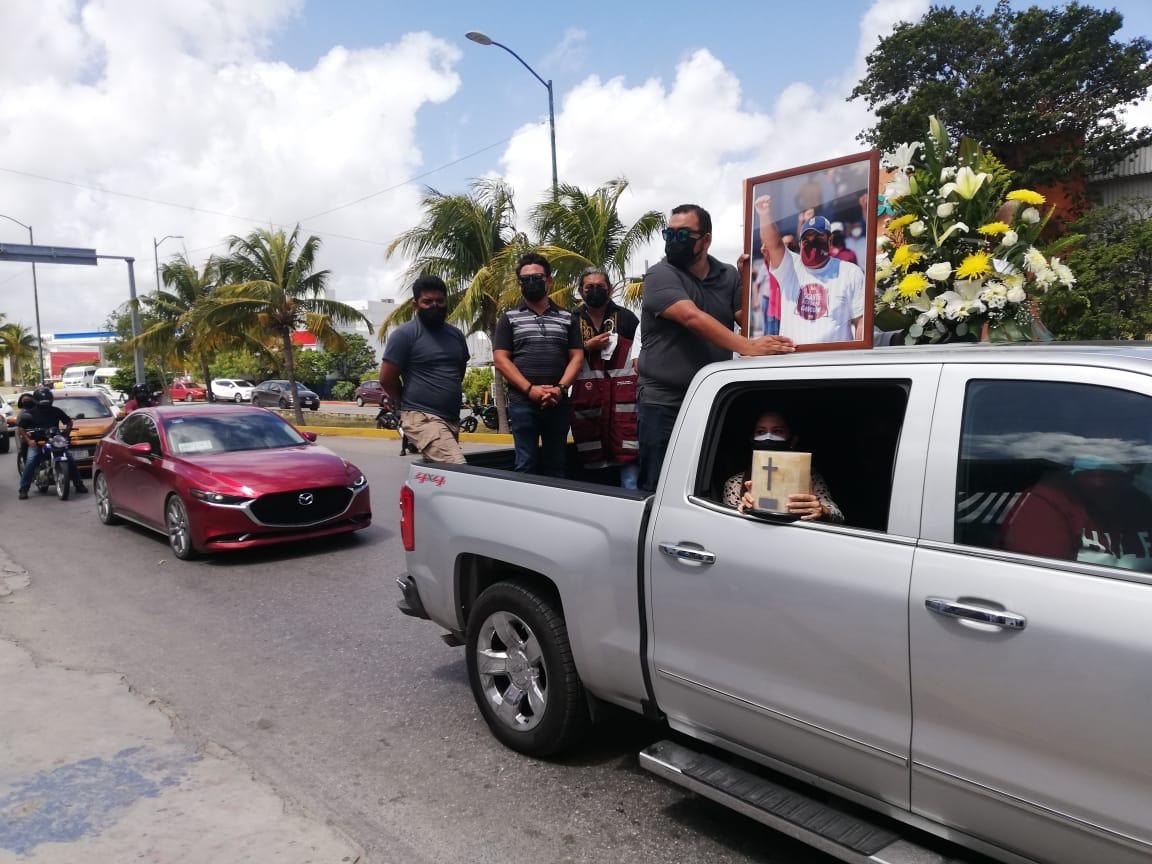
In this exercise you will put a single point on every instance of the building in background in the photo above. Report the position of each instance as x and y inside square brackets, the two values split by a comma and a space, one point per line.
[62, 350]
[1131, 178]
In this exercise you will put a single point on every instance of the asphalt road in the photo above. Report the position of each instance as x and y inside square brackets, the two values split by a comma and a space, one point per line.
[298, 661]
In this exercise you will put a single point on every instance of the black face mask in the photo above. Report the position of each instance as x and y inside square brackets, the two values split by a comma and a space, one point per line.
[680, 253]
[596, 297]
[433, 316]
[533, 288]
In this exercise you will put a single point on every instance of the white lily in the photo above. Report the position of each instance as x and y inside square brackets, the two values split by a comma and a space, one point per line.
[901, 157]
[898, 187]
[966, 185]
[952, 229]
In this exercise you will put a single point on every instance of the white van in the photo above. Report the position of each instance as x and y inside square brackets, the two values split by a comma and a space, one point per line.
[105, 374]
[78, 376]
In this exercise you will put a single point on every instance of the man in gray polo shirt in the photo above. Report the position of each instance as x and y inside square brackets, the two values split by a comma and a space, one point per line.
[423, 367]
[691, 304]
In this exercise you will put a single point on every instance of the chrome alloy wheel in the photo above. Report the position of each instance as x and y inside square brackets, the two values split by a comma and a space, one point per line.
[179, 532]
[103, 499]
[512, 674]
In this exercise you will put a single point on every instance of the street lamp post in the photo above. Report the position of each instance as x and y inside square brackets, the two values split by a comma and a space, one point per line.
[35, 294]
[156, 255]
[482, 39]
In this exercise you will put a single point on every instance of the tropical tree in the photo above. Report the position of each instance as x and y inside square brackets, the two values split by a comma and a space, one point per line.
[467, 240]
[1044, 89]
[18, 345]
[176, 333]
[270, 289]
[577, 230]
[1112, 295]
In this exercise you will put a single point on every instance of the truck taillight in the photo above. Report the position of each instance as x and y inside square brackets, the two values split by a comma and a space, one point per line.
[408, 518]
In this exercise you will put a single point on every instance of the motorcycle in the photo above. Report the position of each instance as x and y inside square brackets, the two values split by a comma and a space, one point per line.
[480, 413]
[388, 417]
[52, 469]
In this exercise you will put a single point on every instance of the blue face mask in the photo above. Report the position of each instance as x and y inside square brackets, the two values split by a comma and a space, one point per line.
[1096, 463]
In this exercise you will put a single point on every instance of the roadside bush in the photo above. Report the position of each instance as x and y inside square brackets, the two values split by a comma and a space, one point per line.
[342, 391]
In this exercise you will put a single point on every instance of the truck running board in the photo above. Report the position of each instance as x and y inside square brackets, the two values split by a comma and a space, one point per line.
[822, 826]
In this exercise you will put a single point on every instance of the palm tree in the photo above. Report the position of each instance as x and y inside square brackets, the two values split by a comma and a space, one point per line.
[18, 345]
[270, 289]
[176, 334]
[578, 230]
[467, 241]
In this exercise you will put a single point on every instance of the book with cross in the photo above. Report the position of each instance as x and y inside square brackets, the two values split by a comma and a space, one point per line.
[778, 474]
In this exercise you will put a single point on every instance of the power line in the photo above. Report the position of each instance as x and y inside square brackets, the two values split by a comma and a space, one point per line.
[210, 212]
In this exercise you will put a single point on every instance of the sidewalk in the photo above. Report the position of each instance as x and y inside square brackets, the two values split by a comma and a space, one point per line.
[90, 772]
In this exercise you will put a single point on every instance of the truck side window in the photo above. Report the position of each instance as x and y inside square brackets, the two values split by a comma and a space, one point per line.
[1058, 470]
[851, 429]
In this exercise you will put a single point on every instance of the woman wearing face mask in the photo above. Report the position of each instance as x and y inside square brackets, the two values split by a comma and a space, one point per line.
[773, 432]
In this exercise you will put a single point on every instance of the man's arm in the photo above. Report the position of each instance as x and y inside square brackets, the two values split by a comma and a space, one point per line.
[575, 364]
[502, 359]
[770, 240]
[858, 328]
[390, 381]
[688, 315]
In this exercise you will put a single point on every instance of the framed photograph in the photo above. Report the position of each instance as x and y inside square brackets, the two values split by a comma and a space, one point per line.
[810, 235]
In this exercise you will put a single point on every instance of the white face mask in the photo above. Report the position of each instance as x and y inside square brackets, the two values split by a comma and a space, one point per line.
[856, 232]
[769, 436]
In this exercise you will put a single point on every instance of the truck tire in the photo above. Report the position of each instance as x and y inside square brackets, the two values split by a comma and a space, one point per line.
[522, 673]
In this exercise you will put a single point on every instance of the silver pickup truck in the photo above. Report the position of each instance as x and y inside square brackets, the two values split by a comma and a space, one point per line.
[968, 653]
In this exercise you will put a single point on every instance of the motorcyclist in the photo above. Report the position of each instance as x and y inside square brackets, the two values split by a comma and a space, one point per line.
[43, 415]
[23, 404]
[138, 397]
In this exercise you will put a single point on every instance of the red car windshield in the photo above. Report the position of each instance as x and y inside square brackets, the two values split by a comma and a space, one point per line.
[188, 436]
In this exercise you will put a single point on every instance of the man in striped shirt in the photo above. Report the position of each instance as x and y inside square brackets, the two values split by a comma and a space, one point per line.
[538, 349]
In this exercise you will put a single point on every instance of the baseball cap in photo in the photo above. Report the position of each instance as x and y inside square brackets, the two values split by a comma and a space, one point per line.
[836, 226]
[818, 224]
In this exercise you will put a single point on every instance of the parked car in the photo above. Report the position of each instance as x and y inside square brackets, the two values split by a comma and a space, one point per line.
[232, 389]
[116, 397]
[278, 394]
[966, 653]
[225, 477]
[369, 392]
[93, 416]
[186, 391]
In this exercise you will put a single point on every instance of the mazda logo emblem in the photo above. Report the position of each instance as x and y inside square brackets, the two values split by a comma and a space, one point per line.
[306, 499]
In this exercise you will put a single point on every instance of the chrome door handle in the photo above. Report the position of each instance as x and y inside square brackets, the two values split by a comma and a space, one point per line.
[953, 609]
[688, 553]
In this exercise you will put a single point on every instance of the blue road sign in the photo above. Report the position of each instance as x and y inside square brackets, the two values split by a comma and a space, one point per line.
[46, 254]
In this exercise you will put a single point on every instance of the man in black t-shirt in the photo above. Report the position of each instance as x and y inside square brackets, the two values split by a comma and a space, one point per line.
[538, 349]
[691, 304]
[422, 371]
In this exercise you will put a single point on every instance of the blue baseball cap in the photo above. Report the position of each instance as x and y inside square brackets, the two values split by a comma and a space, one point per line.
[818, 224]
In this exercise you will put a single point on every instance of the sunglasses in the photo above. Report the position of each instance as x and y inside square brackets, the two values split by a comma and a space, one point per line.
[680, 235]
[530, 280]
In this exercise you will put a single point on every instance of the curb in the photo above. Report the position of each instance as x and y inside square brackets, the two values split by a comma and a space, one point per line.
[392, 434]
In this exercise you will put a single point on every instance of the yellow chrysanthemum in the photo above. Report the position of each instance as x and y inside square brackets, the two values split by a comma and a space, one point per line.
[905, 256]
[993, 229]
[901, 221]
[1027, 196]
[974, 266]
[912, 285]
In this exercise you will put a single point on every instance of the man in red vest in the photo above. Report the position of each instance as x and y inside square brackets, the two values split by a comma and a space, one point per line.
[604, 394]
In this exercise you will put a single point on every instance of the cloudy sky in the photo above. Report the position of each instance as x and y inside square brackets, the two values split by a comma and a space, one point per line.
[122, 121]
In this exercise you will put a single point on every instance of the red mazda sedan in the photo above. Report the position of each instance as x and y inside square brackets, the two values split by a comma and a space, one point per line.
[225, 477]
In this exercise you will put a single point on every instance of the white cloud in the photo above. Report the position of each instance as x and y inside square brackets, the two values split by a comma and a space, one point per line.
[697, 139]
[175, 101]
